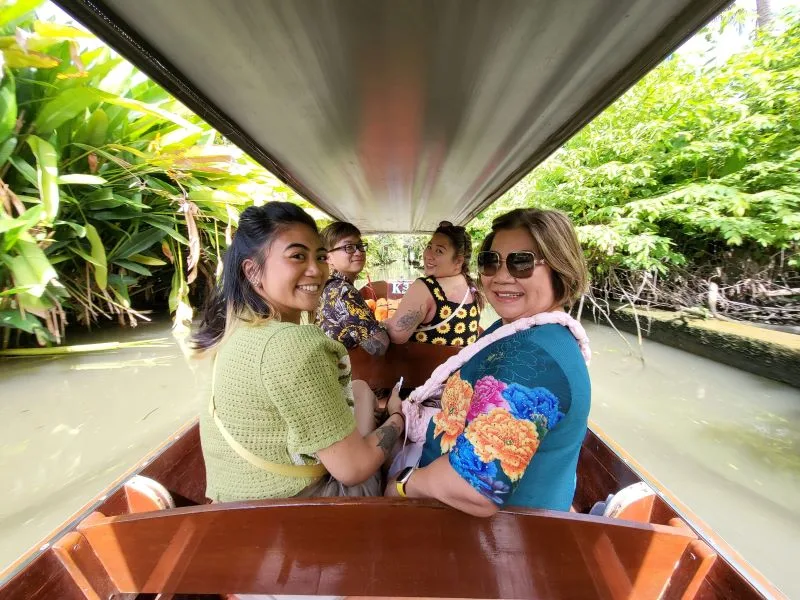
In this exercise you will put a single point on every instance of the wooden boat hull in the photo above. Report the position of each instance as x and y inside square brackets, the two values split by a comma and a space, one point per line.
[381, 547]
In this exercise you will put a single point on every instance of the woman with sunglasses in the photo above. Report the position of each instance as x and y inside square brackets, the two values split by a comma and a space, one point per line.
[343, 314]
[515, 405]
[444, 307]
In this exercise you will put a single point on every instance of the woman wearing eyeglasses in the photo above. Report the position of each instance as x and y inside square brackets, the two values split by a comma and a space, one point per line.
[444, 307]
[343, 314]
[515, 406]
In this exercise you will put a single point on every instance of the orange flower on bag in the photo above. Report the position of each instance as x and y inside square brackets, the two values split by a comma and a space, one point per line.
[451, 420]
[498, 435]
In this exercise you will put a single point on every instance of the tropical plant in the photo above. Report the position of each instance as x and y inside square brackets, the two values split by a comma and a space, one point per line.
[690, 182]
[112, 194]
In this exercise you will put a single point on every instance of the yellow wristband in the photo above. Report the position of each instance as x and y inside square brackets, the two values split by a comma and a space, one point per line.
[402, 480]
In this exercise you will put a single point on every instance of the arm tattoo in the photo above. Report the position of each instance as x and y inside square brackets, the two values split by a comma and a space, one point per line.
[377, 344]
[387, 438]
[410, 320]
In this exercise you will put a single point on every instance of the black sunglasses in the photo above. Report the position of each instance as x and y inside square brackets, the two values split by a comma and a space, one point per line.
[351, 248]
[520, 265]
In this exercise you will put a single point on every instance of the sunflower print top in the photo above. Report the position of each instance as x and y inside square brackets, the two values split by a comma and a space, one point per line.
[343, 313]
[461, 330]
[513, 419]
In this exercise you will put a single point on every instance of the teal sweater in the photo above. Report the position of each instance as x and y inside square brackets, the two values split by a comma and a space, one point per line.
[526, 399]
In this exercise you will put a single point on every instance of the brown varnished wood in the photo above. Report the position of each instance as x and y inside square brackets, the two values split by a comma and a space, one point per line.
[638, 511]
[379, 289]
[52, 581]
[178, 462]
[413, 362]
[600, 473]
[350, 547]
[693, 569]
[45, 578]
[79, 560]
[180, 468]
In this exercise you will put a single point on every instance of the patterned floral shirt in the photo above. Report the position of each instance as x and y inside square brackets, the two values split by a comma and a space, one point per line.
[514, 417]
[461, 330]
[344, 315]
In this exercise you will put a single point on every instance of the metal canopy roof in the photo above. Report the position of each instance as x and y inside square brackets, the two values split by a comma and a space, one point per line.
[396, 114]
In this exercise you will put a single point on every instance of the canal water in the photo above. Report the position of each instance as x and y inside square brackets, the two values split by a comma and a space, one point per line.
[725, 442]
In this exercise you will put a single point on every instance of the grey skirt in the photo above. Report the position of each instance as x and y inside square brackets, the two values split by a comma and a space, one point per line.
[328, 487]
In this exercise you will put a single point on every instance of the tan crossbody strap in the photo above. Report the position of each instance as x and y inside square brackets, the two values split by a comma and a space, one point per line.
[299, 471]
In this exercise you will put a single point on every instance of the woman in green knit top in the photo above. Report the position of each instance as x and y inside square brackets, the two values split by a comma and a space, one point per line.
[280, 421]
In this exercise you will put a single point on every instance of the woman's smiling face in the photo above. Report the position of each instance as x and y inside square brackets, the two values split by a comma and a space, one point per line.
[348, 264]
[294, 272]
[439, 258]
[517, 298]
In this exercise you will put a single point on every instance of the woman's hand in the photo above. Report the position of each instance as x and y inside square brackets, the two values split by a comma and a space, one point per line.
[395, 403]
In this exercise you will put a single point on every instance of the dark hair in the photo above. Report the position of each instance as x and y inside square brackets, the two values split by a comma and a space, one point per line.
[462, 243]
[336, 231]
[556, 242]
[234, 296]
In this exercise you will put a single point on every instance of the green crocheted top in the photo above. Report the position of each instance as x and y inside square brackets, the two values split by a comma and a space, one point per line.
[283, 392]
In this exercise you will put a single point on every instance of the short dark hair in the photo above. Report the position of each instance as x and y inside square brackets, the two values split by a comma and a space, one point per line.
[336, 231]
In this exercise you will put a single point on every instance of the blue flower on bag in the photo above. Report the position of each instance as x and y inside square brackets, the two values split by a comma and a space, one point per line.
[527, 402]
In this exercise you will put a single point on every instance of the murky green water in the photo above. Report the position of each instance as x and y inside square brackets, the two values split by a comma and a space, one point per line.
[725, 442]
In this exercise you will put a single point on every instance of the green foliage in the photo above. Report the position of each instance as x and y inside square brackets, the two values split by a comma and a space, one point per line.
[385, 249]
[112, 193]
[694, 167]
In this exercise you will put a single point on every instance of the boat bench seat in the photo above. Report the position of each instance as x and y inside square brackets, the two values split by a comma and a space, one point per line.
[374, 547]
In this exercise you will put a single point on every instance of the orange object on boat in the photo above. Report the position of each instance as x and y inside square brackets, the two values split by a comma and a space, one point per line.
[384, 308]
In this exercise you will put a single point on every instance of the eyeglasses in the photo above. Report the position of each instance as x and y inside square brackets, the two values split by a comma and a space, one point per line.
[351, 248]
[520, 265]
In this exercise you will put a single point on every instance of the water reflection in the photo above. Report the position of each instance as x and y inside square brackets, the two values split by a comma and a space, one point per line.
[770, 439]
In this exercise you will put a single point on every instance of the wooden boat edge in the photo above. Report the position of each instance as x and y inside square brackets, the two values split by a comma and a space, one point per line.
[746, 572]
[71, 522]
[702, 529]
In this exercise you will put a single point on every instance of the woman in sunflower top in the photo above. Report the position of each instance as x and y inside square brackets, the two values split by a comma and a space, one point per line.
[343, 314]
[444, 307]
[284, 418]
[514, 412]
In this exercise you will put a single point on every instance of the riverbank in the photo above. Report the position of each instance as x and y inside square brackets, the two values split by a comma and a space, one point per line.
[764, 352]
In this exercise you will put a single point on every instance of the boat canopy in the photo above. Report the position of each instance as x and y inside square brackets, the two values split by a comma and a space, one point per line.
[396, 114]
